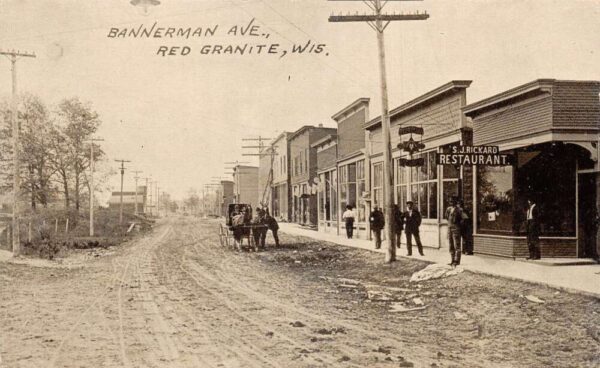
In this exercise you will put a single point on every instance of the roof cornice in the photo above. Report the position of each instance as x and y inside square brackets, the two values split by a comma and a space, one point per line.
[541, 85]
[353, 107]
[423, 99]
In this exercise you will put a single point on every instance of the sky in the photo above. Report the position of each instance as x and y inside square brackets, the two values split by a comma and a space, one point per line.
[179, 118]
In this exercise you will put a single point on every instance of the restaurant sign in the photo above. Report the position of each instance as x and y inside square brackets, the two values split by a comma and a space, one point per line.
[474, 155]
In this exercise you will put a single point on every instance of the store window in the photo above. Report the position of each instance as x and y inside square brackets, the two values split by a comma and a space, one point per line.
[495, 198]
[546, 173]
[352, 185]
[378, 184]
[402, 173]
[423, 188]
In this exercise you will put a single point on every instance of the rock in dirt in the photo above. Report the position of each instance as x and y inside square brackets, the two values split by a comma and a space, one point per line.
[297, 324]
[535, 299]
[378, 296]
[434, 271]
[345, 358]
[384, 350]
[399, 307]
[406, 364]
[269, 334]
[460, 316]
[418, 301]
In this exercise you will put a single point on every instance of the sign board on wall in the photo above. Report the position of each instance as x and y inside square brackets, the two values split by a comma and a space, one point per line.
[474, 155]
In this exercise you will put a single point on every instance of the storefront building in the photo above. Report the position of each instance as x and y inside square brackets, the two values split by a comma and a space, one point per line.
[227, 196]
[303, 172]
[245, 185]
[352, 166]
[551, 129]
[430, 186]
[280, 189]
[327, 184]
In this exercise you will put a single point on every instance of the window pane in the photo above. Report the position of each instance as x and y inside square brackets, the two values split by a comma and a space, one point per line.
[352, 194]
[327, 189]
[414, 194]
[334, 196]
[401, 193]
[432, 167]
[423, 171]
[423, 200]
[343, 196]
[352, 173]
[451, 172]
[432, 200]
[360, 170]
[495, 197]
[449, 189]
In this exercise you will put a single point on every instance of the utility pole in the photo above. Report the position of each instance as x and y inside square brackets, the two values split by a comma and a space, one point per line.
[157, 201]
[92, 189]
[146, 197]
[136, 177]
[376, 22]
[16, 238]
[121, 204]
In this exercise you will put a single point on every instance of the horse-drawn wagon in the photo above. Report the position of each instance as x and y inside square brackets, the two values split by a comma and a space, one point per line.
[239, 226]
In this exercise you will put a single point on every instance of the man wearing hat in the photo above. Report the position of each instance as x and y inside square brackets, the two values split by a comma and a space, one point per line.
[411, 227]
[454, 217]
[377, 221]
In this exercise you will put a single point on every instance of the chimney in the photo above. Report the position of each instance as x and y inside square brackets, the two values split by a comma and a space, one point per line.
[320, 125]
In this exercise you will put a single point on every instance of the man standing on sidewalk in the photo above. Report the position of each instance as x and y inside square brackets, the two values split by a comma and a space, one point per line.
[412, 222]
[377, 221]
[454, 217]
[533, 230]
[399, 222]
[348, 218]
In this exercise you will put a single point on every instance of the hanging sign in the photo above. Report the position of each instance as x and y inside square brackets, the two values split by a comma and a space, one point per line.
[411, 146]
[474, 155]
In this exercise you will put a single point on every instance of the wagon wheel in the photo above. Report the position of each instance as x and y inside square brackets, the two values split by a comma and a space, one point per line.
[221, 239]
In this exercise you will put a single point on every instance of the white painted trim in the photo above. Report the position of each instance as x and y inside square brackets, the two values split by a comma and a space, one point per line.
[524, 237]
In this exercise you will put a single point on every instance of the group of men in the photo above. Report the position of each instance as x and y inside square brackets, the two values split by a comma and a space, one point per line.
[409, 221]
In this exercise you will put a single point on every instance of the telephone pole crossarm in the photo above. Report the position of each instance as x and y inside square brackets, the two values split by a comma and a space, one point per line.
[374, 17]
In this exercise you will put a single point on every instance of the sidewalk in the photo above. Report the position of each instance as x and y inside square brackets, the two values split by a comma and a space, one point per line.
[583, 279]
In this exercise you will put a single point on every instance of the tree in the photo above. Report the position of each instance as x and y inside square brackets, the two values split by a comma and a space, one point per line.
[78, 123]
[192, 201]
[35, 152]
[34, 127]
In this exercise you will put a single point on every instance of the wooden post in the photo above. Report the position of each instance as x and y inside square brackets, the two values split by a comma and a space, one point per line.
[67, 226]
[55, 225]
[29, 232]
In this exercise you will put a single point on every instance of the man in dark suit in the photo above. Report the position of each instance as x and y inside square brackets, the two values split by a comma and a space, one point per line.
[533, 230]
[412, 221]
[453, 215]
[377, 221]
[398, 224]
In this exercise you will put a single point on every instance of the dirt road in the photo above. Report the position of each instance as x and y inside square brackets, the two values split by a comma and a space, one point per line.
[175, 298]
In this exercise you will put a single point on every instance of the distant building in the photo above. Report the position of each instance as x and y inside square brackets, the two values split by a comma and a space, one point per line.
[245, 185]
[129, 198]
[303, 175]
[228, 196]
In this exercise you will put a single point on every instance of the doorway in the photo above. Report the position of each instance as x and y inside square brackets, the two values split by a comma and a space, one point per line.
[588, 224]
